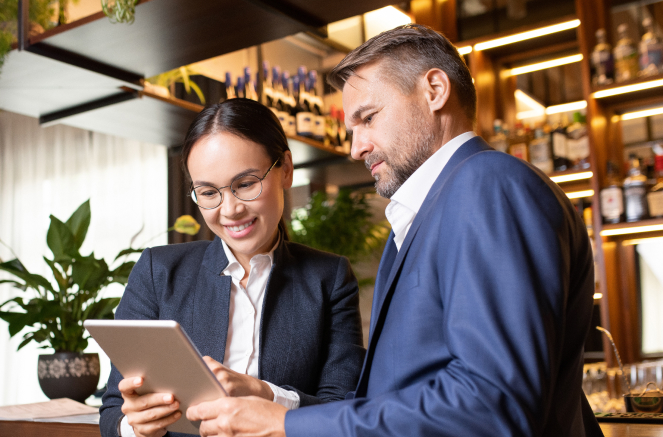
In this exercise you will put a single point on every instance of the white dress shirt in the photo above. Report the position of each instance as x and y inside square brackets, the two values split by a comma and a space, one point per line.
[406, 202]
[243, 341]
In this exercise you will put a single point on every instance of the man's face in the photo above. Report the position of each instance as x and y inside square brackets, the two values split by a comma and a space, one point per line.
[392, 132]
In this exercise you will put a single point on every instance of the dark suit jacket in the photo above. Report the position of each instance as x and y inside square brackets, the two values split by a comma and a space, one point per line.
[311, 340]
[479, 320]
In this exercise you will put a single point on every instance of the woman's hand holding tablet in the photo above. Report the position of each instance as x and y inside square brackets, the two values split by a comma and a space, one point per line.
[238, 384]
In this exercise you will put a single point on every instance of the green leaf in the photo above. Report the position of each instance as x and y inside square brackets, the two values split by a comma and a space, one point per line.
[16, 284]
[127, 252]
[79, 222]
[31, 280]
[59, 277]
[121, 274]
[102, 309]
[61, 240]
[90, 273]
[26, 340]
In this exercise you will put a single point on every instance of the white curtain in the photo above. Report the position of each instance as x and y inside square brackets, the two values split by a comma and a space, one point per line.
[53, 170]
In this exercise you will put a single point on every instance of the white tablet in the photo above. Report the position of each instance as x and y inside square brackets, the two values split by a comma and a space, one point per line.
[160, 352]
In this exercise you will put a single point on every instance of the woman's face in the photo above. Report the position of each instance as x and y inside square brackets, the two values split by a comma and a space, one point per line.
[248, 227]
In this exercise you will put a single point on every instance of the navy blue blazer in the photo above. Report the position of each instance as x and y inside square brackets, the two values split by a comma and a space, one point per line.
[310, 333]
[479, 321]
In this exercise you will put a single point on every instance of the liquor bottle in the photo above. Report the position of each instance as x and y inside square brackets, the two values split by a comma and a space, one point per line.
[498, 140]
[230, 89]
[602, 62]
[559, 142]
[239, 89]
[267, 95]
[331, 128]
[302, 113]
[655, 195]
[577, 144]
[316, 107]
[540, 153]
[612, 196]
[651, 50]
[289, 105]
[635, 191]
[249, 86]
[518, 142]
[626, 56]
[344, 136]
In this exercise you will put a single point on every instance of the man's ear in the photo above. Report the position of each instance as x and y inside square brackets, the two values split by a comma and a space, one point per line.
[437, 88]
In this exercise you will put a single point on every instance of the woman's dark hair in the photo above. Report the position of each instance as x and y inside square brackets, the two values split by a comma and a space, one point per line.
[245, 118]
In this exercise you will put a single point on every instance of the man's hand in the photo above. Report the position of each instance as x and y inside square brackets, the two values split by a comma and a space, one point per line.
[237, 417]
[149, 414]
[239, 384]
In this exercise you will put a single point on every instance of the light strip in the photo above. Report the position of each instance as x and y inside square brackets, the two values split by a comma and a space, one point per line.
[628, 88]
[633, 230]
[579, 194]
[527, 35]
[572, 177]
[534, 113]
[598, 296]
[543, 65]
[640, 114]
[527, 100]
[566, 107]
[465, 50]
[641, 240]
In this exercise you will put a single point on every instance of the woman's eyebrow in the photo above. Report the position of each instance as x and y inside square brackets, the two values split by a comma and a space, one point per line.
[246, 172]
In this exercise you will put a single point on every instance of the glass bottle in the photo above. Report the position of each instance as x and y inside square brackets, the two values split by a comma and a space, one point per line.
[603, 67]
[612, 196]
[230, 89]
[626, 56]
[655, 195]
[518, 143]
[651, 50]
[316, 107]
[577, 144]
[498, 140]
[267, 95]
[540, 153]
[559, 140]
[635, 191]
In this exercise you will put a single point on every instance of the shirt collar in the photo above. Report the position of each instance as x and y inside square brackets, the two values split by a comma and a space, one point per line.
[235, 269]
[414, 190]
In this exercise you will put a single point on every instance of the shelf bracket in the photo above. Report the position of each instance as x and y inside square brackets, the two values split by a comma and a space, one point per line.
[56, 117]
[313, 23]
[129, 79]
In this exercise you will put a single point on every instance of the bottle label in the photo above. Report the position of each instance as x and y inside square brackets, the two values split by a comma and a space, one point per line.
[651, 54]
[636, 203]
[305, 123]
[603, 65]
[319, 130]
[539, 155]
[283, 118]
[612, 203]
[655, 201]
[292, 126]
[519, 151]
[559, 144]
[577, 149]
[626, 67]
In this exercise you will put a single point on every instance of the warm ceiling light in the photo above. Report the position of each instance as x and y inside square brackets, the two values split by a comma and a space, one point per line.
[465, 50]
[641, 240]
[543, 65]
[640, 114]
[598, 296]
[628, 88]
[534, 113]
[527, 35]
[572, 177]
[633, 230]
[527, 100]
[380, 20]
[579, 194]
[567, 107]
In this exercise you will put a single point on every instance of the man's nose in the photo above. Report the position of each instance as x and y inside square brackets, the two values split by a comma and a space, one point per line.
[361, 146]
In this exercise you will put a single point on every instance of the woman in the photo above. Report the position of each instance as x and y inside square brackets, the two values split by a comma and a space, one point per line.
[282, 318]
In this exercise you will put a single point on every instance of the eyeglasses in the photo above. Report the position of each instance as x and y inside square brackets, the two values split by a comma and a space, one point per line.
[247, 187]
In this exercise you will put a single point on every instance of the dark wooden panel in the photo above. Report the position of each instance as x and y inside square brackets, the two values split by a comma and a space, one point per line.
[330, 11]
[51, 429]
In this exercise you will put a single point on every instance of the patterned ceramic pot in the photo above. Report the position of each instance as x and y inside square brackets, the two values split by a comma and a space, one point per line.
[69, 375]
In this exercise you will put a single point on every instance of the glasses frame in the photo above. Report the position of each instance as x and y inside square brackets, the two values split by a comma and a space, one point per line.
[192, 195]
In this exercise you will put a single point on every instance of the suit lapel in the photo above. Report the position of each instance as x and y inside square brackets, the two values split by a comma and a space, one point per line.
[475, 145]
[212, 303]
[386, 262]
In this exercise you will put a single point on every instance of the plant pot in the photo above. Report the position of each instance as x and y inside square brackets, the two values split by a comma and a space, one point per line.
[69, 375]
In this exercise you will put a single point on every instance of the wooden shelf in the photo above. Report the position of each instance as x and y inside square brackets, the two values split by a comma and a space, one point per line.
[630, 97]
[643, 228]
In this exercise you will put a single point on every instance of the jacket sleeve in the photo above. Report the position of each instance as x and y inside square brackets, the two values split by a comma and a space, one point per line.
[344, 350]
[500, 261]
[139, 302]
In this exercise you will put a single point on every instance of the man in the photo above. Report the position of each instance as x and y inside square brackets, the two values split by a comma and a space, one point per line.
[484, 293]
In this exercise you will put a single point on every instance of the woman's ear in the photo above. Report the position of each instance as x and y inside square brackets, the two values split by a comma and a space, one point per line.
[288, 169]
[437, 89]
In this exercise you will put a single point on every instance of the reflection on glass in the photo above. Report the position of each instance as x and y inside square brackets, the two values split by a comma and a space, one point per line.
[650, 256]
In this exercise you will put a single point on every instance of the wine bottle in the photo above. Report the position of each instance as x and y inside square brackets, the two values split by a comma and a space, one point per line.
[635, 191]
[267, 96]
[289, 105]
[230, 89]
[651, 50]
[498, 140]
[603, 67]
[249, 86]
[612, 196]
[540, 153]
[302, 111]
[518, 142]
[577, 145]
[626, 56]
[559, 140]
[316, 101]
[655, 195]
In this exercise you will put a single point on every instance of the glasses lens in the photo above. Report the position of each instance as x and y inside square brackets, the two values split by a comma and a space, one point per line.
[206, 197]
[247, 187]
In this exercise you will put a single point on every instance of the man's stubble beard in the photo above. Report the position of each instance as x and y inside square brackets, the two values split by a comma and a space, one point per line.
[407, 153]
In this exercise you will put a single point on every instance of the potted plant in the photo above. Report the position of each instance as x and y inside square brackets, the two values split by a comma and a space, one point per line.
[343, 226]
[120, 11]
[54, 313]
[163, 84]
